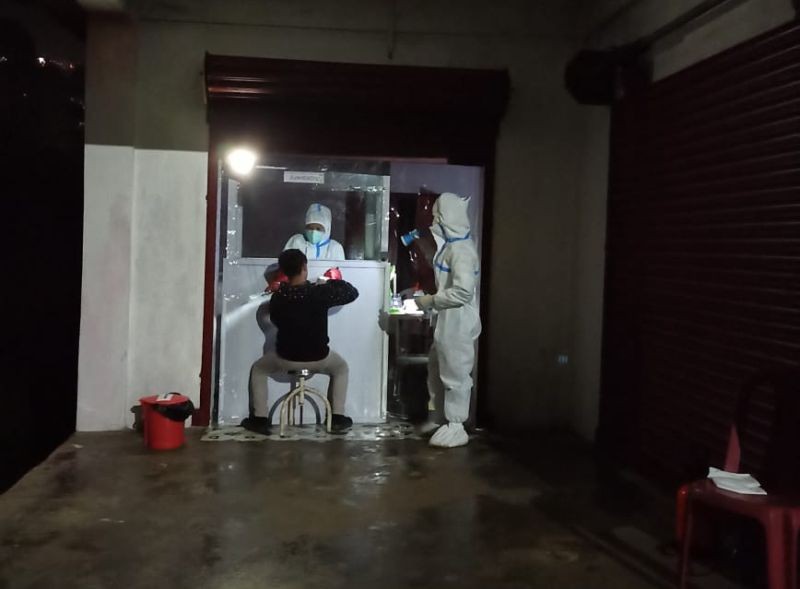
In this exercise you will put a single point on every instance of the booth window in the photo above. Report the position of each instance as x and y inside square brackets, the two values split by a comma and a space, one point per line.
[269, 206]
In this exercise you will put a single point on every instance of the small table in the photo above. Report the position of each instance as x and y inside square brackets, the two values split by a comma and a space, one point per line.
[395, 324]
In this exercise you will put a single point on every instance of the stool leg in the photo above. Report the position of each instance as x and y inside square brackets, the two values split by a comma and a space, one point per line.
[302, 397]
[283, 416]
[292, 397]
[312, 394]
[277, 405]
[329, 421]
[285, 409]
[289, 407]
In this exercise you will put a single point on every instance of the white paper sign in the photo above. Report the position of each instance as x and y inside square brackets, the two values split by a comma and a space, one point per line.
[304, 177]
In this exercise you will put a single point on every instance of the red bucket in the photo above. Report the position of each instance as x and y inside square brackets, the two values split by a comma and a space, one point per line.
[161, 432]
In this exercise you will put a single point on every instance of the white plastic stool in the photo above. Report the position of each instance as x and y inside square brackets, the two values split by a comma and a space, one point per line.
[297, 398]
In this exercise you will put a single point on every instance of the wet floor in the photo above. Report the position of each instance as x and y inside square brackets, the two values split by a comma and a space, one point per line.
[103, 512]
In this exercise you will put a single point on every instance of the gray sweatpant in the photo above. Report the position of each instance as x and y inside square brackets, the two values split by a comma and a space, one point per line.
[270, 363]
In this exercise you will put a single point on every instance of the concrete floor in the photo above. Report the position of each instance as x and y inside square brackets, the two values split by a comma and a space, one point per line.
[103, 512]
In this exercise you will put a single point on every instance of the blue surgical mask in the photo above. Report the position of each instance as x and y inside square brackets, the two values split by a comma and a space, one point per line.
[314, 236]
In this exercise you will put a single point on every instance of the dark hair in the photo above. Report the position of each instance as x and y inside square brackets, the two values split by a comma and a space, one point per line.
[292, 262]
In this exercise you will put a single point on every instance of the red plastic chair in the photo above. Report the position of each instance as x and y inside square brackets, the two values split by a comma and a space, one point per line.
[794, 531]
[778, 512]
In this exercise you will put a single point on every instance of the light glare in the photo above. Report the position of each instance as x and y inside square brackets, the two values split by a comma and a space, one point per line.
[241, 161]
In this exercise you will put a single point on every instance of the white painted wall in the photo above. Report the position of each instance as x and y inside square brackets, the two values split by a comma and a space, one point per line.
[167, 263]
[141, 309]
[104, 361]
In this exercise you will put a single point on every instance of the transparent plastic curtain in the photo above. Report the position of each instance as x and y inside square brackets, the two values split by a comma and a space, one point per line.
[259, 214]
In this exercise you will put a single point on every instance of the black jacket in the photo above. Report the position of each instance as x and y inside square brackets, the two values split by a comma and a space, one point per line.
[301, 315]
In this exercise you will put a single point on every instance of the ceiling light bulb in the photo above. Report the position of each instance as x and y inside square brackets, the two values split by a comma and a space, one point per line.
[241, 161]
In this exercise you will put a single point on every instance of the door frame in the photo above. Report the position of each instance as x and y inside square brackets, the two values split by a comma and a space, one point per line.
[360, 111]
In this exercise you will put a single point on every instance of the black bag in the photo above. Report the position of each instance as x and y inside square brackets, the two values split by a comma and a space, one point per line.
[176, 411]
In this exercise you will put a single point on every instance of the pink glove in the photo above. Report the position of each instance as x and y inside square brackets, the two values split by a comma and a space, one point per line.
[333, 273]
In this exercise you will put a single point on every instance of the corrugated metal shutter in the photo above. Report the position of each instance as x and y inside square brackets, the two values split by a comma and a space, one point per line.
[703, 252]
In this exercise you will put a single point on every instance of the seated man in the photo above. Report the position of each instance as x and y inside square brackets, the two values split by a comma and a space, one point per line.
[300, 312]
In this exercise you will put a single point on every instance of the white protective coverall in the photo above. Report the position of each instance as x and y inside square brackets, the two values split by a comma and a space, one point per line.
[457, 321]
[327, 248]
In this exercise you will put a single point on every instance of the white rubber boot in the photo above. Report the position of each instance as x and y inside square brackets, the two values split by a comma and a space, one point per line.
[451, 435]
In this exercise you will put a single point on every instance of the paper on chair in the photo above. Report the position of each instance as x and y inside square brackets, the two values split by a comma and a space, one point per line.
[736, 482]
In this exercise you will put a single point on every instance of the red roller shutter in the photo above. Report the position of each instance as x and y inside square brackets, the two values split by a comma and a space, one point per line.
[703, 253]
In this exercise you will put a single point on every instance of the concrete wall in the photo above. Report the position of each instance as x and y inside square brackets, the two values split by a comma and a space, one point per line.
[547, 266]
[734, 22]
[536, 186]
[589, 274]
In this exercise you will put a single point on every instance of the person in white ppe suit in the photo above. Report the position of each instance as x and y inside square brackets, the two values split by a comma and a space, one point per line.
[315, 241]
[457, 321]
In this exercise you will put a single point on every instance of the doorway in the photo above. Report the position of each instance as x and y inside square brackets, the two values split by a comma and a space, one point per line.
[372, 205]
[376, 115]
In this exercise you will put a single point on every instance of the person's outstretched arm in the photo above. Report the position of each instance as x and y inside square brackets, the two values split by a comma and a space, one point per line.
[334, 293]
[462, 289]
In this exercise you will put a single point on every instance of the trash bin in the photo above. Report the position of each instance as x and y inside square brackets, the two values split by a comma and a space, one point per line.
[163, 417]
